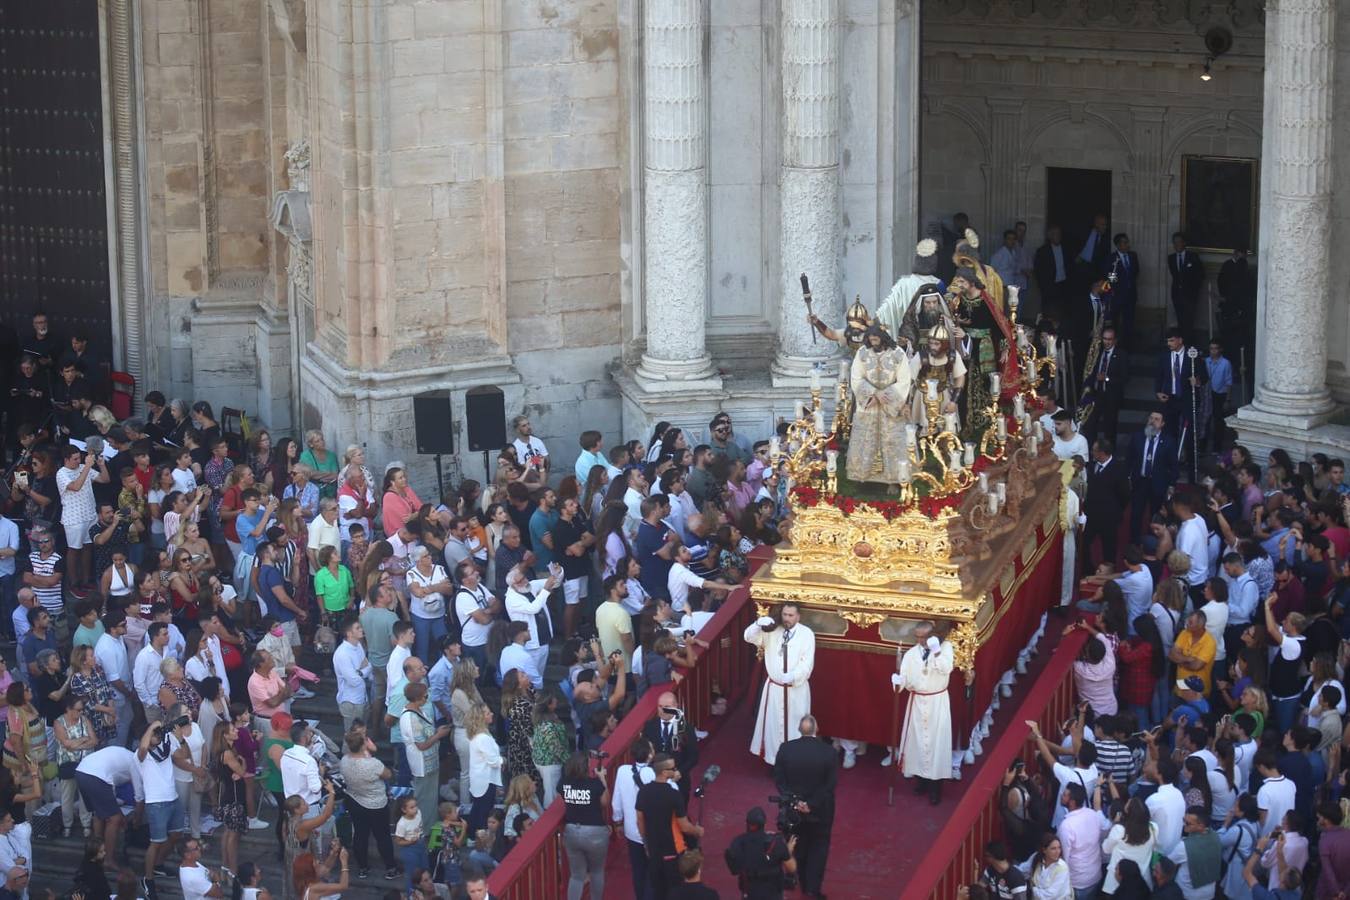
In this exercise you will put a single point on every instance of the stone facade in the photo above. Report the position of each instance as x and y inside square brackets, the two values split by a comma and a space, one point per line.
[603, 207]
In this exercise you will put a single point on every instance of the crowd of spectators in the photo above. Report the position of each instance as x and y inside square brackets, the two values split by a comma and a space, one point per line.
[172, 589]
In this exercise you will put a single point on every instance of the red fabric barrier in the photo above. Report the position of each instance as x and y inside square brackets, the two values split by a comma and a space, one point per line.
[856, 679]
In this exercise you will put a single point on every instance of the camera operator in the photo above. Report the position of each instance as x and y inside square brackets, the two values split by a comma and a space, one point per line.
[669, 733]
[163, 813]
[807, 769]
[760, 859]
[663, 823]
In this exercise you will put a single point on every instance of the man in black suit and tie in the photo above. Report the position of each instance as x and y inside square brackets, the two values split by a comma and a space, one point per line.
[1188, 276]
[1175, 383]
[1052, 273]
[809, 768]
[1108, 490]
[1125, 292]
[1153, 469]
[1094, 259]
[670, 733]
[1107, 381]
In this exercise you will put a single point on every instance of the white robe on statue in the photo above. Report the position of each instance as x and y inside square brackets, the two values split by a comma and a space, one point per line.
[787, 692]
[926, 739]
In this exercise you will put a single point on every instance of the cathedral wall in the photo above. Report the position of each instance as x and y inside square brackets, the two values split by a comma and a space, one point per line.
[1012, 88]
[1338, 328]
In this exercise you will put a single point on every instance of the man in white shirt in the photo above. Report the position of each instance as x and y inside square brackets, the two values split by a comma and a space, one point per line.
[197, 881]
[9, 549]
[681, 578]
[530, 451]
[515, 656]
[1193, 540]
[527, 602]
[476, 609]
[1244, 596]
[111, 655]
[352, 670]
[145, 676]
[404, 635]
[1066, 441]
[323, 532]
[1215, 592]
[623, 809]
[97, 776]
[1166, 805]
[632, 500]
[27, 599]
[163, 812]
[1276, 796]
[300, 775]
[16, 846]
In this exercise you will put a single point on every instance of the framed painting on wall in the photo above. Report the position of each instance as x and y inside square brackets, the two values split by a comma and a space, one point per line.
[1219, 202]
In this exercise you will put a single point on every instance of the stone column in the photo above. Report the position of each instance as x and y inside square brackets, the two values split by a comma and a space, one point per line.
[675, 187]
[1291, 372]
[1003, 172]
[809, 189]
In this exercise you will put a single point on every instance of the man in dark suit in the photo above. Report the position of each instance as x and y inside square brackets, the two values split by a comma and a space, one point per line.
[1052, 273]
[1175, 385]
[1153, 469]
[671, 734]
[1107, 381]
[1124, 262]
[1188, 276]
[1108, 490]
[809, 768]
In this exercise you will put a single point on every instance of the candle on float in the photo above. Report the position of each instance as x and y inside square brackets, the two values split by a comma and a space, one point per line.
[1001, 427]
[956, 458]
[950, 422]
[831, 461]
[775, 447]
[1028, 423]
[1001, 489]
[843, 371]
[984, 482]
[932, 389]
[905, 475]
[818, 419]
[911, 435]
[798, 410]
[970, 454]
[1019, 405]
[992, 500]
[815, 379]
[1013, 299]
[994, 385]
[1049, 345]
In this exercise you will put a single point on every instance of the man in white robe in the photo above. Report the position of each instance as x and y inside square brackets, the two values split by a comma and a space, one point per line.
[789, 656]
[926, 738]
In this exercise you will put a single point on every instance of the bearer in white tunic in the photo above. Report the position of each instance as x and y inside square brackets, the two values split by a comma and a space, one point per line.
[789, 655]
[926, 738]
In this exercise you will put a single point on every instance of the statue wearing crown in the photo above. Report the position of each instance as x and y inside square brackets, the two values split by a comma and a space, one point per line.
[880, 381]
[936, 361]
[856, 322]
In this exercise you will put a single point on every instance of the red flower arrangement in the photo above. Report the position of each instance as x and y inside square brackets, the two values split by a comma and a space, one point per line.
[932, 507]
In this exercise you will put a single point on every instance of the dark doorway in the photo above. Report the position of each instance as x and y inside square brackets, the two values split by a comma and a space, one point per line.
[1072, 198]
[53, 211]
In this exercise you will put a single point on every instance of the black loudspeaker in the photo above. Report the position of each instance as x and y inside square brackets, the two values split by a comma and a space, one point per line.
[485, 410]
[435, 428]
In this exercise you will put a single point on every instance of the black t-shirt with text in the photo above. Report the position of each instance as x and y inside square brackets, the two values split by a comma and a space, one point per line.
[660, 807]
[583, 802]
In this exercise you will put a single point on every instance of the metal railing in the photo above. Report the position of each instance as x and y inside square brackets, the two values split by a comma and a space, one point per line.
[536, 868]
[956, 854]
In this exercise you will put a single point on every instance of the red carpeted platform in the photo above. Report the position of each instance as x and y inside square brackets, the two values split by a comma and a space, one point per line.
[873, 847]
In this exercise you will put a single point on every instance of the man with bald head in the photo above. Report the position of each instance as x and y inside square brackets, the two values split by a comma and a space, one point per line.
[806, 772]
[926, 738]
[671, 733]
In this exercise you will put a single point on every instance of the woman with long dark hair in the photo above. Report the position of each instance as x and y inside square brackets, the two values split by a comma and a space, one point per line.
[1198, 792]
[1141, 663]
[1132, 837]
[593, 493]
[586, 829]
[1049, 878]
[610, 537]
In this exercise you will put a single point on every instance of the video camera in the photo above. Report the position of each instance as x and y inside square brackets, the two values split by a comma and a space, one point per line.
[789, 817]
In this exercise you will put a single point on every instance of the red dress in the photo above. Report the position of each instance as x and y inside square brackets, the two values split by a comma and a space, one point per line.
[1135, 658]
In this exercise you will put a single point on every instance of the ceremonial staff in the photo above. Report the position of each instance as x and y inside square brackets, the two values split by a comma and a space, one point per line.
[895, 742]
[1195, 421]
[806, 298]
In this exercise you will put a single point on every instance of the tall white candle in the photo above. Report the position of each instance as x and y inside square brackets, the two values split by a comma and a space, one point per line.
[905, 475]
[1050, 345]
[1019, 405]
[1002, 490]
[950, 422]
[994, 385]
[818, 419]
[992, 500]
[1001, 427]
[843, 371]
[815, 378]
[984, 482]
[932, 388]
[775, 447]
[956, 459]
[798, 410]
[911, 435]
[831, 461]
[970, 454]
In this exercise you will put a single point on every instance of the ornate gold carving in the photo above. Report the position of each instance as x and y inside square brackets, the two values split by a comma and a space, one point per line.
[862, 619]
[965, 642]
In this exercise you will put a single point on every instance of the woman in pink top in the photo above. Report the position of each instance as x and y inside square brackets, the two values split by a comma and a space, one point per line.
[400, 501]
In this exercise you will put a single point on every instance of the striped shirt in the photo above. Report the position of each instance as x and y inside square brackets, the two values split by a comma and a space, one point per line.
[1118, 762]
[50, 597]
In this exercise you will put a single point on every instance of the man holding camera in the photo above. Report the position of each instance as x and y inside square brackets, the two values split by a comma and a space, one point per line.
[789, 656]
[164, 813]
[806, 773]
[669, 733]
[761, 860]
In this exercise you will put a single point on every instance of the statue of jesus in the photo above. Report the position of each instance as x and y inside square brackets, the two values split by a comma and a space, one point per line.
[880, 380]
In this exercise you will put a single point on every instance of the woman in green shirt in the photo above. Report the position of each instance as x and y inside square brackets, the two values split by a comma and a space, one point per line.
[333, 583]
[323, 461]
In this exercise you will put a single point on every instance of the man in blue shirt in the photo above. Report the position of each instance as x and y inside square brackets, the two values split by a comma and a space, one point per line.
[542, 521]
[251, 526]
[1220, 383]
[655, 546]
[1136, 584]
[1280, 521]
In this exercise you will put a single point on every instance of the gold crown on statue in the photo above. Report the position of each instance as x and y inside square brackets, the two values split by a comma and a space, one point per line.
[940, 332]
[857, 315]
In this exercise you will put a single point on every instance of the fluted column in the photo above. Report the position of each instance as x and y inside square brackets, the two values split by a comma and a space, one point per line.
[675, 192]
[809, 188]
[1291, 375]
[1004, 175]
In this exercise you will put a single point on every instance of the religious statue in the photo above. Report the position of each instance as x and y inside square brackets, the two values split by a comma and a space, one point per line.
[928, 309]
[898, 303]
[880, 381]
[856, 321]
[936, 362]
